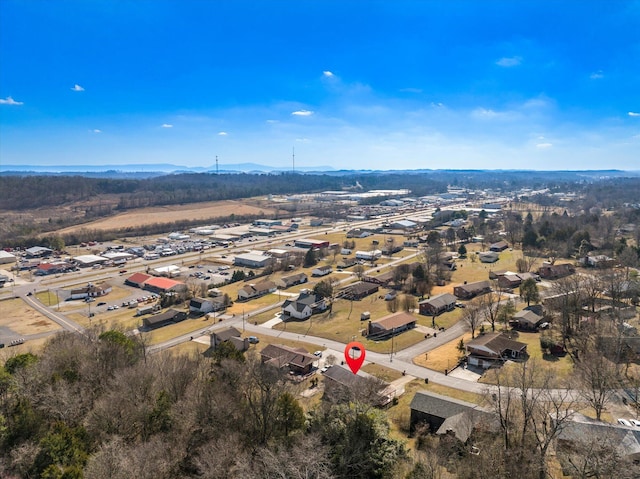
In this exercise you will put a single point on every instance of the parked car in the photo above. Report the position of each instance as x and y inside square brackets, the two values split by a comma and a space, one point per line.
[635, 422]
[624, 422]
[253, 340]
[101, 303]
[318, 354]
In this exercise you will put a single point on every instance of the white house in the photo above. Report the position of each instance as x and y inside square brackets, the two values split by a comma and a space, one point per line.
[206, 305]
[321, 271]
[303, 306]
[369, 255]
[256, 290]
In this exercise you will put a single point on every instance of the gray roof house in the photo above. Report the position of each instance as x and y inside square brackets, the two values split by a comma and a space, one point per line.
[437, 304]
[303, 306]
[443, 414]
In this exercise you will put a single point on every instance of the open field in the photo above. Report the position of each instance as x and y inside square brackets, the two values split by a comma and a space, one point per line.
[444, 357]
[382, 372]
[168, 214]
[22, 319]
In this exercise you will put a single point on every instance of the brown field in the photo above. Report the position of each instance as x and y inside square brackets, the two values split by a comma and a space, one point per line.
[168, 214]
[22, 319]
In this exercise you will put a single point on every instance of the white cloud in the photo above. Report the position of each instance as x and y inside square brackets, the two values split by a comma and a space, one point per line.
[272, 121]
[634, 113]
[302, 140]
[544, 145]
[596, 75]
[411, 90]
[77, 87]
[167, 125]
[509, 62]
[222, 133]
[484, 113]
[328, 74]
[10, 101]
[95, 130]
[302, 113]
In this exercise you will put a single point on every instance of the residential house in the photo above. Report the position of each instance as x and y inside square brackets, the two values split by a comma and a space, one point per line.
[581, 434]
[527, 320]
[292, 280]
[598, 261]
[555, 271]
[231, 335]
[256, 290]
[499, 246]
[369, 255]
[321, 271]
[341, 385]
[391, 325]
[170, 316]
[359, 290]
[494, 348]
[303, 306]
[297, 360]
[383, 279]
[471, 290]
[347, 263]
[206, 305]
[444, 414]
[509, 280]
[437, 304]
[488, 256]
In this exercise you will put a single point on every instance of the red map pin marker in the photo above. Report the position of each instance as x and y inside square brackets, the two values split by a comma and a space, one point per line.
[350, 353]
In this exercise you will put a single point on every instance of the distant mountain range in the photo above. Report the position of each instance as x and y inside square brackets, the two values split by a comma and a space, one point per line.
[155, 168]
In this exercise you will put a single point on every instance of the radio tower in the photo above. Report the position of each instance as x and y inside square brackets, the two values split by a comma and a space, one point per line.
[216, 164]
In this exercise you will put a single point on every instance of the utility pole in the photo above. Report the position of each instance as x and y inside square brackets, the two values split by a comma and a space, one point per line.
[216, 164]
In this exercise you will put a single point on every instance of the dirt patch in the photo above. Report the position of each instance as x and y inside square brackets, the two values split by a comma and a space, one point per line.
[168, 214]
[22, 319]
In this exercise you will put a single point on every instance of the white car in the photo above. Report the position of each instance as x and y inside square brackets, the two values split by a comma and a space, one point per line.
[635, 422]
[624, 422]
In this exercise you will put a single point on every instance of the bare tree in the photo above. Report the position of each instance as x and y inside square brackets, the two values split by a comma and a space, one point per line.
[472, 317]
[599, 379]
[490, 306]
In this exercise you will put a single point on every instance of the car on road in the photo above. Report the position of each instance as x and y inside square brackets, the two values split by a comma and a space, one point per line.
[624, 422]
[635, 422]
[253, 340]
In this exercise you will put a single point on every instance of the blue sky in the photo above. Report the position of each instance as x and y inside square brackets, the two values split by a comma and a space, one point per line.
[348, 84]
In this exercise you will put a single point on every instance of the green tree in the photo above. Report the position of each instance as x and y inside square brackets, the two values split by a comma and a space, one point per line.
[20, 361]
[310, 258]
[226, 350]
[323, 288]
[529, 291]
[290, 415]
[462, 251]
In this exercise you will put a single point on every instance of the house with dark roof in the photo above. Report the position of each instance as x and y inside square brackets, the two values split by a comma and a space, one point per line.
[494, 348]
[582, 433]
[383, 279]
[527, 320]
[488, 256]
[296, 360]
[341, 385]
[391, 325]
[555, 271]
[256, 290]
[170, 316]
[471, 290]
[437, 304]
[291, 280]
[303, 306]
[447, 415]
[137, 279]
[499, 246]
[359, 290]
[231, 335]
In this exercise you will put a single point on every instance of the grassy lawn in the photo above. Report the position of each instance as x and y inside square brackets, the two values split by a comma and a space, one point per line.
[48, 298]
[22, 319]
[171, 331]
[341, 328]
[444, 357]
[382, 372]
